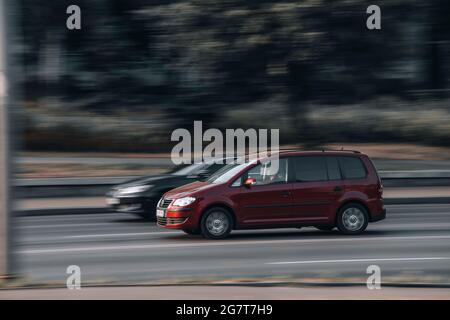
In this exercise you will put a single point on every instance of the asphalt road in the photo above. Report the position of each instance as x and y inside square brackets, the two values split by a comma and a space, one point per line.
[412, 245]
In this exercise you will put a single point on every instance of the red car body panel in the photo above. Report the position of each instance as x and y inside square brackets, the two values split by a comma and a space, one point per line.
[290, 204]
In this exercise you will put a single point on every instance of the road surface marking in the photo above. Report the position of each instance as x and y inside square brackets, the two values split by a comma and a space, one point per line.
[106, 235]
[208, 243]
[65, 225]
[269, 231]
[358, 260]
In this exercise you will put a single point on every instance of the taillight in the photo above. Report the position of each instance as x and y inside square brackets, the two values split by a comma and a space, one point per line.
[379, 183]
[380, 188]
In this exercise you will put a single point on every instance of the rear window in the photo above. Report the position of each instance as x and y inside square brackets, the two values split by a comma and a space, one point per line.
[310, 169]
[352, 167]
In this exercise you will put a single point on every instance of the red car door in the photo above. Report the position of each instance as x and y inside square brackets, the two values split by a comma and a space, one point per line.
[316, 188]
[269, 199]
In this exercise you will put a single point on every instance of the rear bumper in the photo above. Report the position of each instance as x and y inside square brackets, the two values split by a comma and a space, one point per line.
[379, 216]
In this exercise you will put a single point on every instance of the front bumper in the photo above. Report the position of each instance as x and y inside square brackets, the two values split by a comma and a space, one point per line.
[138, 204]
[175, 218]
[380, 216]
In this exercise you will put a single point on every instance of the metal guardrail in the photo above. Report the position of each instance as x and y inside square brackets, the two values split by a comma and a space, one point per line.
[415, 178]
[415, 174]
[39, 182]
[98, 186]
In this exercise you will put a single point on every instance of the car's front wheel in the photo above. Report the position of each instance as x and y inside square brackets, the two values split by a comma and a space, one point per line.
[352, 219]
[216, 223]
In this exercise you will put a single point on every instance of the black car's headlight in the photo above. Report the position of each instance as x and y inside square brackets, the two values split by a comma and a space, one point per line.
[132, 190]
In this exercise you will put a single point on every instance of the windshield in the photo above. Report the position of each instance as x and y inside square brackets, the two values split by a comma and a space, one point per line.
[227, 172]
[190, 169]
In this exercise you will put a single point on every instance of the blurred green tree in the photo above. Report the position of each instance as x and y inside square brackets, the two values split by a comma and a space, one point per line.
[197, 58]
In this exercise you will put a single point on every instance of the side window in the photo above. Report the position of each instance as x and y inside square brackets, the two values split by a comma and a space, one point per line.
[310, 168]
[334, 173]
[352, 167]
[237, 182]
[267, 173]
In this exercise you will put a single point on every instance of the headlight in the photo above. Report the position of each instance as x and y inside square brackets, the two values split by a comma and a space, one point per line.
[131, 190]
[184, 201]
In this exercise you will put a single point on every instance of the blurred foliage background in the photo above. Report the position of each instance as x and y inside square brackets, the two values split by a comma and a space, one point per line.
[139, 69]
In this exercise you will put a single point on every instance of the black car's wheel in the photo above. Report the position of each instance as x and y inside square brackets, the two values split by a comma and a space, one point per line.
[216, 223]
[324, 228]
[191, 231]
[352, 219]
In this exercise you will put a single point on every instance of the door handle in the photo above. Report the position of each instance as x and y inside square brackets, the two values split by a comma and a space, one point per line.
[337, 189]
[285, 193]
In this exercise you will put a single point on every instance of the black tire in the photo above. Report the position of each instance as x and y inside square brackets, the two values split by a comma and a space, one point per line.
[324, 228]
[352, 219]
[207, 225]
[193, 232]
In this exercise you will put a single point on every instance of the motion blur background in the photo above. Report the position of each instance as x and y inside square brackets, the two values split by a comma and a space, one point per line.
[139, 69]
[99, 104]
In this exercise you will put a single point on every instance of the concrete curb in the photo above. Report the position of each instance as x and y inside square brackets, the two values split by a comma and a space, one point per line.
[61, 211]
[234, 284]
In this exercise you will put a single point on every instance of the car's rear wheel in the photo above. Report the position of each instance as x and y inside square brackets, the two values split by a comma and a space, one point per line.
[191, 231]
[216, 223]
[352, 219]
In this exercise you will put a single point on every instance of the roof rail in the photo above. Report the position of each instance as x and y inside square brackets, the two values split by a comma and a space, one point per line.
[290, 149]
[347, 150]
[323, 150]
[306, 150]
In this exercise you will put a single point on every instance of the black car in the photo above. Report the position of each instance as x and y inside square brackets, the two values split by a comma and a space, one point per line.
[141, 195]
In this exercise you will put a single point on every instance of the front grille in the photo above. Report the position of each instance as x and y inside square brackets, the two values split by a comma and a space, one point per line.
[166, 221]
[164, 203]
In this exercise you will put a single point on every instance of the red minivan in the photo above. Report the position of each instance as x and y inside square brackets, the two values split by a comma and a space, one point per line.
[324, 189]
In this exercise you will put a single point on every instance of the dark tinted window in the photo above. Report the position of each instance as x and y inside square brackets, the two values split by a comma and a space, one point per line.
[310, 168]
[334, 172]
[352, 167]
[214, 167]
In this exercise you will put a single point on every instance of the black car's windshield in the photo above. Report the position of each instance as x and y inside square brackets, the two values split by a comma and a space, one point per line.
[177, 168]
[227, 172]
[190, 169]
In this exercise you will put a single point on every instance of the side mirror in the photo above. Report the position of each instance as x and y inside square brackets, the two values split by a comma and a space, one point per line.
[249, 182]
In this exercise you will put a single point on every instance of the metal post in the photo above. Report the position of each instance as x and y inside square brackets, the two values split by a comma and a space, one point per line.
[5, 155]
